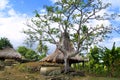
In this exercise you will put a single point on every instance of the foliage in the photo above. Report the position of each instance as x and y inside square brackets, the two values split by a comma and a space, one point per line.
[4, 42]
[29, 53]
[22, 50]
[111, 59]
[42, 55]
[104, 60]
[42, 48]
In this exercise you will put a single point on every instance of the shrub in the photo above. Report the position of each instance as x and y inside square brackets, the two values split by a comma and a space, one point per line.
[28, 53]
[4, 42]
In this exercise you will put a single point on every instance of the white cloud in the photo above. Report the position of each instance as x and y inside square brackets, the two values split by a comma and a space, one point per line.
[109, 43]
[11, 28]
[116, 39]
[42, 10]
[12, 12]
[114, 3]
[53, 1]
[3, 4]
[11, 25]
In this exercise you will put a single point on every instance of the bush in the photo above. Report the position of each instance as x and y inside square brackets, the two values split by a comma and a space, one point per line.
[28, 53]
[4, 42]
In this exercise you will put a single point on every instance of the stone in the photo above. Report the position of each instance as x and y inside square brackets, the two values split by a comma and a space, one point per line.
[77, 73]
[46, 70]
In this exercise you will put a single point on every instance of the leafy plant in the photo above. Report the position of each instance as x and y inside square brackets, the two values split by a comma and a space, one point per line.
[104, 60]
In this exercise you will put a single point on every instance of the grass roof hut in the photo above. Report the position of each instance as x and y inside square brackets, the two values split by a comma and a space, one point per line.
[9, 53]
[58, 57]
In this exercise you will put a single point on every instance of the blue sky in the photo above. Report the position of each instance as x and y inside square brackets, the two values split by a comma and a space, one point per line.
[28, 6]
[14, 14]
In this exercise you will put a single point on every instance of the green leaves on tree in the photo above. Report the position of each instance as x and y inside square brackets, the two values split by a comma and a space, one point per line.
[36, 13]
[49, 8]
[84, 29]
[53, 31]
[56, 19]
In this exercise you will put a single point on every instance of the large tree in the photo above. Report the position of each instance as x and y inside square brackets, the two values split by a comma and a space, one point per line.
[67, 22]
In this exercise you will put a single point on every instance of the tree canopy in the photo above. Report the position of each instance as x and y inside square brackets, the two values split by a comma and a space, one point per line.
[71, 16]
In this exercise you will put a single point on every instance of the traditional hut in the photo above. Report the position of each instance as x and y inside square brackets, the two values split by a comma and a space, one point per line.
[9, 53]
[58, 57]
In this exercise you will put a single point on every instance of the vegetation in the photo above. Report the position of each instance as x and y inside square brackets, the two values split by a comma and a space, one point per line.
[71, 19]
[4, 42]
[29, 53]
[104, 61]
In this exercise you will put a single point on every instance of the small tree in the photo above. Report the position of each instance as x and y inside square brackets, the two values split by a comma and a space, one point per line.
[70, 18]
[4, 42]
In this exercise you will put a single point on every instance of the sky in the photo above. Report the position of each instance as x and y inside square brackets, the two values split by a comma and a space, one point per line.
[13, 16]
[15, 13]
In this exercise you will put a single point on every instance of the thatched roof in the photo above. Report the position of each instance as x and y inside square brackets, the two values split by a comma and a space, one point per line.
[58, 57]
[9, 53]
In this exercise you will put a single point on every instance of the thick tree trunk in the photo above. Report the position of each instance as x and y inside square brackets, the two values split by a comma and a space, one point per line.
[66, 65]
[66, 49]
